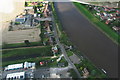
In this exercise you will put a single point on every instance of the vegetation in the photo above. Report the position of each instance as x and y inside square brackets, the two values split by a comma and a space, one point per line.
[64, 39]
[17, 45]
[63, 36]
[63, 61]
[43, 51]
[109, 32]
[86, 63]
[93, 71]
[44, 38]
[58, 25]
[47, 63]
[70, 53]
[73, 73]
[17, 23]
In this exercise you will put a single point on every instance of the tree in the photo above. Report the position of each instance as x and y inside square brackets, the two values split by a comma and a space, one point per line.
[119, 4]
[93, 73]
[26, 4]
[35, 9]
[27, 42]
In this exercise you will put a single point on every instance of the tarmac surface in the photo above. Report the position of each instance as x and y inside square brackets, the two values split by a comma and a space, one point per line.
[89, 40]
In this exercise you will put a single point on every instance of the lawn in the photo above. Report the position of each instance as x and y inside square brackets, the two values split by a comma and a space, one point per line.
[70, 53]
[43, 51]
[86, 63]
[42, 35]
[50, 62]
[73, 73]
[58, 24]
[17, 45]
[63, 36]
[100, 25]
[63, 61]
[93, 71]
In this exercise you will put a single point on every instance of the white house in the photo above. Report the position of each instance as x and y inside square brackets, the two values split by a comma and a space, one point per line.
[18, 75]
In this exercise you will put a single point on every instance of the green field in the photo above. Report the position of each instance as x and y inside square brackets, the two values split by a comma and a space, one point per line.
[17, 45]
[69, 53]
[42, 51]
[100, 25]
[73, 74]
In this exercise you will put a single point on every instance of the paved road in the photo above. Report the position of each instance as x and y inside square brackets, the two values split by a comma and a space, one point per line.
[93, 43]
[41, 73]
[28, 21]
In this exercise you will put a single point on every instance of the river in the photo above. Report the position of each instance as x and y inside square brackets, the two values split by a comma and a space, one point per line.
[102, 51]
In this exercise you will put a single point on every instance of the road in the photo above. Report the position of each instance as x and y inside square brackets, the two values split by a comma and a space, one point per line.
[89, 40]
[28, 21]
[63, 50]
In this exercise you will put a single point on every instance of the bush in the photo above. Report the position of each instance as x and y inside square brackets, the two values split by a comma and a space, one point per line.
[17, 23]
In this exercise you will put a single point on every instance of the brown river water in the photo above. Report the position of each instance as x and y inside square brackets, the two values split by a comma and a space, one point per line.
[102, 51]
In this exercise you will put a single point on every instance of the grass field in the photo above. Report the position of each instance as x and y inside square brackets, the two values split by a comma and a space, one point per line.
[93, 71]
[43, 51]
[103, 27]
[69, 53]
[73, 74]
[17, 45]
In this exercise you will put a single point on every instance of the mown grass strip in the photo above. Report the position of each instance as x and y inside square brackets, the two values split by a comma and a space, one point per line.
[63, 36]
[43, 51]
[103, 27]
[69, 53]
[17, 45]
[58, 25]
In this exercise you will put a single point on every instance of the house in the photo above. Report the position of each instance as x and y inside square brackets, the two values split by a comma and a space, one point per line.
[20, 20]
[17, 75]
[55, 49]
[14, 66]
[115, 28]
[28, 65]
[107, 22]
